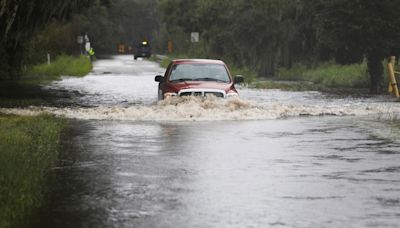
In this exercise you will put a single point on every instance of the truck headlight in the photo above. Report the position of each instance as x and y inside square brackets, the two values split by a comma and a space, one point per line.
[170, 95]
[232, 94]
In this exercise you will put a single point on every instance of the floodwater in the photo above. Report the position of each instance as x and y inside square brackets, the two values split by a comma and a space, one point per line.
[268, 159]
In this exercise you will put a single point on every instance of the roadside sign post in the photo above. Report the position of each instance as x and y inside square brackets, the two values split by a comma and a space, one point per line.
[194, 38]
[87, 43]
[79, 40]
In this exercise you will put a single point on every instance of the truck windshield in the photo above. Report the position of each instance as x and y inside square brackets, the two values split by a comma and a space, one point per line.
[199, 72]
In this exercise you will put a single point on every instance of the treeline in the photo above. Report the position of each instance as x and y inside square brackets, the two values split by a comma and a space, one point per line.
[31, 29]
[263, 35]
[18, 22]
[267, 34]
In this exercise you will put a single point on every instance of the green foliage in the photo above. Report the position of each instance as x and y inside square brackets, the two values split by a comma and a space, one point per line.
[28, 150]
[295, 73]
[354, 75]
[255, 34]
[63, 65]
[29, 30]
[133, 20]
[262, 35]
[19, 20]
[354, 29]
[271, 34]
[99, 27]
[249, 75]
[57, 38]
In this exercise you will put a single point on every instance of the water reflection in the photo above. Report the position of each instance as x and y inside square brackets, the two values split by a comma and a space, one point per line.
[323, 172]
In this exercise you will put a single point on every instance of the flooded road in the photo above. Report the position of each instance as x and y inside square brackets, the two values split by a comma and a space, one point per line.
[269, 159]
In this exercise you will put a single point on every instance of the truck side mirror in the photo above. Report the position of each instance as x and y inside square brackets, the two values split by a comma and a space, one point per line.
[159, 78]
[238, 79]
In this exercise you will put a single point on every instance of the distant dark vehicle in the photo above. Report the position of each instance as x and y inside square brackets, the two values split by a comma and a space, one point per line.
[197, 77]
[142, 50]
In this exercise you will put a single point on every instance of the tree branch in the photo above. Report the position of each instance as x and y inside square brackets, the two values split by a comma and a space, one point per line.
[11, 21]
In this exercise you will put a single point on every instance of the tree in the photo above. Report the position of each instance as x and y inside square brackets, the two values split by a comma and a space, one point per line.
[135, 20]
[20, 19]
[255, 33]
[358, 28]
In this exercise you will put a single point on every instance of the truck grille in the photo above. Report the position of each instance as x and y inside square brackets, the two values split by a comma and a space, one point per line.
[202, 93]
[191, 94]
[217, 94]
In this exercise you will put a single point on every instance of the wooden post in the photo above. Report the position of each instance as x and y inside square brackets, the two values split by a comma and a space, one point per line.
[170, 47]
[392, 78]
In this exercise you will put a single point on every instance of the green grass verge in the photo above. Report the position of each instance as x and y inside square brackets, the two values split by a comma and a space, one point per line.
[28, 149]
[287, 85]
[63, 65]
[328, 75]
[164, 62]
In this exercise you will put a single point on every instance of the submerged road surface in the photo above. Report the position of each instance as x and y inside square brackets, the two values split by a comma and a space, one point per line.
[269, 159]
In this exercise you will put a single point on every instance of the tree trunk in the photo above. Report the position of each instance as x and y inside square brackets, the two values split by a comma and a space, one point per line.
[375, 70]
[4, 58]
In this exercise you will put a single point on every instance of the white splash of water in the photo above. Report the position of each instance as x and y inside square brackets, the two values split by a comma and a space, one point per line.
[209, 109]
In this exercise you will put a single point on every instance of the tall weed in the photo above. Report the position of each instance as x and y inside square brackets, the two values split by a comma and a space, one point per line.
[28, 149]
[329, 74]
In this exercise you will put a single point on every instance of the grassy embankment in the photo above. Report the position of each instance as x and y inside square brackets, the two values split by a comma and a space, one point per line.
[26, 90]
[29, 145]
[28, 149]
[63, 65]
[323, 77]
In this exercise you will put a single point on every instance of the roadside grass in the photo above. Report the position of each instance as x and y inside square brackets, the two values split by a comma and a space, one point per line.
[63, 65]
[28, 150]
[164, 62]
[26, 102]
[329, 75]
[249, 75]
[287, 85]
